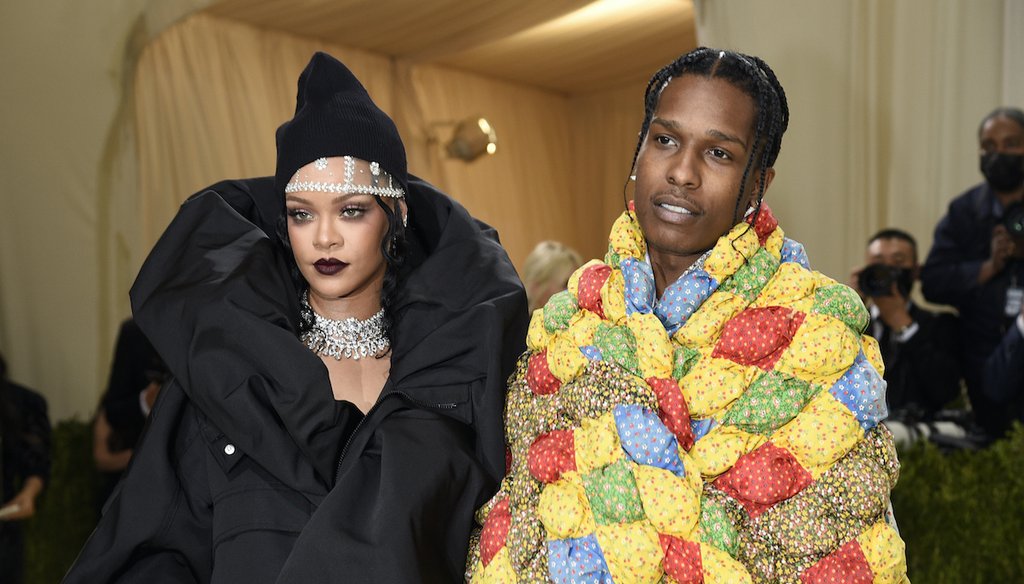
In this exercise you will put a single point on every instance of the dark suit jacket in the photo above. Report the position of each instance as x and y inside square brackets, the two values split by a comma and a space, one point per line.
[923, 374]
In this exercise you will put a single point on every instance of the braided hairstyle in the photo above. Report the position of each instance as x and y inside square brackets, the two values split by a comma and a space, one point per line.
[750, 75]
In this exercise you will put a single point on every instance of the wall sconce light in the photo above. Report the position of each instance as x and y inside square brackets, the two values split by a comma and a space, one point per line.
[473, 137]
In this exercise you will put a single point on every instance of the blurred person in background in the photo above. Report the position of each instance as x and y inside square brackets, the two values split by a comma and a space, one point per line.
[976, 263]
[918, 346]
[136, 375]
[25, 464]
[547, 270]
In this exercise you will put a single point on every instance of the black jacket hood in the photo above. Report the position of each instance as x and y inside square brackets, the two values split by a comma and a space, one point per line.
[215, 298]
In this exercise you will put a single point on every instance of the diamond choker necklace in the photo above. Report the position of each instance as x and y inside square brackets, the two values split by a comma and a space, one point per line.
[349, 338]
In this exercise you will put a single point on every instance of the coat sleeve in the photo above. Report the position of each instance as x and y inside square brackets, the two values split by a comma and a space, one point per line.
[1004, 371]
[156, 526]
[950, 273]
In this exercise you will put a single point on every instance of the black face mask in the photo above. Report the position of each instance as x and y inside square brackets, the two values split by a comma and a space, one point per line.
[1003, 172]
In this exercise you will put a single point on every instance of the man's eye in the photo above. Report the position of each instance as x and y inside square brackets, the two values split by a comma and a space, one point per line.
[719, 153]
[664, 140]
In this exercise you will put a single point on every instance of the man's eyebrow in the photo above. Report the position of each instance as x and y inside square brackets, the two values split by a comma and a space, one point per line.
[716, 134]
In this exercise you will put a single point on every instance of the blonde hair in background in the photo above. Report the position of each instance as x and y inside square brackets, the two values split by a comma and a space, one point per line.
[547, 269]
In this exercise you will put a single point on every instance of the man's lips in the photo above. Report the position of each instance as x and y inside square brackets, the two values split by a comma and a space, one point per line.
[330, 266]
[674, 209]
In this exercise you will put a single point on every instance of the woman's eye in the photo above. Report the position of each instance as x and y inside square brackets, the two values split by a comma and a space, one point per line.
[299, 215]
[352, 212]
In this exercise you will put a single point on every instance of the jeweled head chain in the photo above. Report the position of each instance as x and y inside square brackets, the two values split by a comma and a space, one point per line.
[380, 184]
[348, 338]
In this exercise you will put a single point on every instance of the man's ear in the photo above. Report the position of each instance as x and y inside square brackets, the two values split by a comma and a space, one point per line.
[769, 176]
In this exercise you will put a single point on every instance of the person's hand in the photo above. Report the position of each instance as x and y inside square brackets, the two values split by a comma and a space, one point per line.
[892, 309]
[1002, 248]
[24, 502]
[149, 394]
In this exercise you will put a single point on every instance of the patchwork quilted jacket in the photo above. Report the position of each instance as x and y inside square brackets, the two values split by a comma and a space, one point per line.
[725, 432]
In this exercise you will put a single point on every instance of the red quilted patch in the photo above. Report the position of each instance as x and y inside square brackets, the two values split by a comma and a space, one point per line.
[764, 477]
[589, 288]
[552, 454]
[672, 410]
[846, 565]
[765, 224]
[495, 531]
[539, 377]
[758, 336]
[682, 559]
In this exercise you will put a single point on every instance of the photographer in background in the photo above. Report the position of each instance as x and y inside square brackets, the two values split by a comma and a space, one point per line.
[918, 346]
[976, 263]
[24, 468]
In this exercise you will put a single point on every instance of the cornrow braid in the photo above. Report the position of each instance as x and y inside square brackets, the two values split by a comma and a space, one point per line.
[750, 75]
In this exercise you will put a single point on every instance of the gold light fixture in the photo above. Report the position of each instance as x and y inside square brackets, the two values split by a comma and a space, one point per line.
[473, 137]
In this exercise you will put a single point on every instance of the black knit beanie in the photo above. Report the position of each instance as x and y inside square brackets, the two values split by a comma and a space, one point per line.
[334, 116]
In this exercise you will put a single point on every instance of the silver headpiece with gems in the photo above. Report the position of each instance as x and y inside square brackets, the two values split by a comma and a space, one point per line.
[349, 338]
[358, 176]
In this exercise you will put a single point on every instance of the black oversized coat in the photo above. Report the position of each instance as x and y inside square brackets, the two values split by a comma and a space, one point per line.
[250, 471]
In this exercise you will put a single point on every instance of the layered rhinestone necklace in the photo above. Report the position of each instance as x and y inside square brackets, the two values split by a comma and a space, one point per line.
[348, 338]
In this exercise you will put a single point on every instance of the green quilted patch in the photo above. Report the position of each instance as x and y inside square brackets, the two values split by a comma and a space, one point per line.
[771, 400]
[717, 526]
[683, 360]
[612, 259]
[613, 495]
[559, 309]
[843, 303]
[617, 345]
[748, 281]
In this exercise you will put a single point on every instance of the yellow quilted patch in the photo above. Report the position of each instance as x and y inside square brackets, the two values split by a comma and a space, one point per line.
[885, 553]
[713, 384]
[670, 503]
[613, 300]
[791, 286]
[564, 509]
[597, 443]
[564, 358]
[821, 352]
[632, 551]
[537, 337]
[731, 252]
[721, 448]
[582, 326]
[626, 238]
[774, 243]
[873, 354]
[654, 349]
[704, 326]
[499, 571]
[823, 432]
[720, 568]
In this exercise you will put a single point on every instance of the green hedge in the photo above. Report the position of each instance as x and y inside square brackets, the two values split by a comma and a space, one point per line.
[66, 510]
[961, 514]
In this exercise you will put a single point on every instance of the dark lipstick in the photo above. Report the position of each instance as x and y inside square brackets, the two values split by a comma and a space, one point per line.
[329, 267]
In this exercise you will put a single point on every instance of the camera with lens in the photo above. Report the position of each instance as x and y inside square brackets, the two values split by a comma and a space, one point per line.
[1013, 219]
[877, 280]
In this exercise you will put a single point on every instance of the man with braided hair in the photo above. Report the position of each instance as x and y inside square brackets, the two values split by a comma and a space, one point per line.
[700, 406]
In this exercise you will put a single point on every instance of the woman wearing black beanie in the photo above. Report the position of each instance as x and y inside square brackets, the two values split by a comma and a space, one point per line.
[339, 337]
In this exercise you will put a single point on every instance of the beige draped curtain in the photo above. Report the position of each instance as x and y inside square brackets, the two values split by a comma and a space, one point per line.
[209, 93]
[885, 99]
